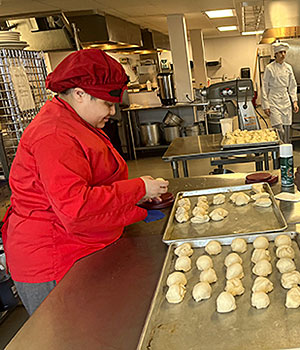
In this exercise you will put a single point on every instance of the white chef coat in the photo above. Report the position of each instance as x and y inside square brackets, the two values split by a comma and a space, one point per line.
[278, 89]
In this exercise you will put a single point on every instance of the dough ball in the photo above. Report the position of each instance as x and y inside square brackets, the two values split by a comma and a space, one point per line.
[234, 271]
[260, 254]
[262, 268]
[285, 251]
[204, 262]
[200, 219]
[232, 258]
[219, 199]
[233, 196]
[183, 263]
[160, 179]
[202, 199]
[208, 275]
[175, 293]
[176, 278]
[184, 202]
[293, 298]
[182, 217]
[225, 302]
[184, 249]
[199, 211]
[257, 196]
[290, 279]
[234, 287]
[218, 214]
[201, 291]
[260, 300]
[262, 284]
[181, 210]
[258, 188]
[261, 243]
[283, 240]
[213, 248]
[263, 202]
[242, 199]
[239, 245]
[203, 205]
[285, 265]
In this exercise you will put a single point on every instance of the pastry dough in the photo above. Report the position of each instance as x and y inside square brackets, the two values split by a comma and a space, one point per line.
[176, 278]
[182, 217]
[260, 300]
[285, 265]
[200, 219]
[184, 202]
[201, 291]
[261, 243]
[285, 251]
[175, 293]
[218, 214]
[160, 179]
[263, 202]
[257, 196]
[213, 248]
[239, 245]
[293, 298]
[290, 279]
[240, 198]
[208, 275]
[181, 210]
[262, 284]
[234, 271]
[202, 199]
[219, 199]
[183, 263]
[260, 254]
[262, 268]
[232, 258]
[225, 302]
[283, 240]
[199, 211]
[203, 205]
[258, 188]
[235, 287]
[204, 262]
[184, 249]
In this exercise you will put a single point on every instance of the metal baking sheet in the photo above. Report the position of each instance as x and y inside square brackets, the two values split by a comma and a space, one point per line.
[250, 145]
[192, 326]
[245, 219]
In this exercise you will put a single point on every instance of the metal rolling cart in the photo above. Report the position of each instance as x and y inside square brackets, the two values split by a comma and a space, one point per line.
[14, 118]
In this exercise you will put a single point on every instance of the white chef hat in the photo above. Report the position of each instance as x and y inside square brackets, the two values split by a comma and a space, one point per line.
[277, 47]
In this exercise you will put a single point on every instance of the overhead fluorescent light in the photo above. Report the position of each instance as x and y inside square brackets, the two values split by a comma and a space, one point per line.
[253, 33]
[227, 28]
[220, 13]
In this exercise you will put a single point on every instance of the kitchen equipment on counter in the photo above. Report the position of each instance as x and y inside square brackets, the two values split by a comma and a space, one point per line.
[171, 119]
[171, 133]
[166, 88]
[150, 134]
[192, 130]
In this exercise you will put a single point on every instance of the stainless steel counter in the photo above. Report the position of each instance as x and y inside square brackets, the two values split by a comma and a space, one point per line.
[103, 300]
[209, 146]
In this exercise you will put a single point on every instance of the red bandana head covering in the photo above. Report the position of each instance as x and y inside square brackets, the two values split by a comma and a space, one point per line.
[92, 70]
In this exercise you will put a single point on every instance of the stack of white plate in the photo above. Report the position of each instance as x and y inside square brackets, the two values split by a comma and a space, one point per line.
[11, 40]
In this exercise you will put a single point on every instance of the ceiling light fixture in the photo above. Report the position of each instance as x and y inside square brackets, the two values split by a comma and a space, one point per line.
[227, 28]
[253, 33]
[220, 13]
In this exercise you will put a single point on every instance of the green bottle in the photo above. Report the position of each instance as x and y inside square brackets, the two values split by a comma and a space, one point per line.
[286, 164]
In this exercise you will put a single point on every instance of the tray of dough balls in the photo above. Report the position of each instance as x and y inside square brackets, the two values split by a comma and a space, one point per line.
[223, 211]
[250, 138]
[231, 293]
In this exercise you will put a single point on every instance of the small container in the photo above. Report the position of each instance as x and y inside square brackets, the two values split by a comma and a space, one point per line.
[149, 85]
[286, 164]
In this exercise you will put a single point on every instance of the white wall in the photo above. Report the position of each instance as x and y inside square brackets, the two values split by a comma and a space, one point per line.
[235, 52]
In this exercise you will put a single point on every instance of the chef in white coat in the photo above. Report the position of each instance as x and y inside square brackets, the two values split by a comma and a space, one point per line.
[279, 92]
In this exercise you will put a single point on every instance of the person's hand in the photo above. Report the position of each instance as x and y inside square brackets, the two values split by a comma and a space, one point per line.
[154, 188]
[297, 178]
[296, 107]
[267, 111]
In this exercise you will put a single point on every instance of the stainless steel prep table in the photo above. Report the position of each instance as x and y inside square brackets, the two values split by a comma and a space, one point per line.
[103, 301]
[209, 146]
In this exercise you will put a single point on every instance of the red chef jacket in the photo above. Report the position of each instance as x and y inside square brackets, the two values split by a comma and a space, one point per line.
[70, 195]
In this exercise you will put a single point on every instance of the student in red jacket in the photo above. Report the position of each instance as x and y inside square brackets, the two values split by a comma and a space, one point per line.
[70, 190]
